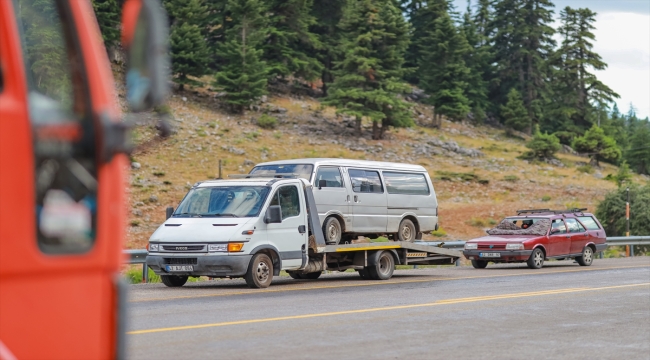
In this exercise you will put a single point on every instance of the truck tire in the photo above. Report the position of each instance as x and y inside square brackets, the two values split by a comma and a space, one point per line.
[364, 274]
[311, 276]
[406, 231]
[587, 256]
[260, 272]
[383, 269]
[173, 280]
[479, 264]
[294, 275]
[332, 230]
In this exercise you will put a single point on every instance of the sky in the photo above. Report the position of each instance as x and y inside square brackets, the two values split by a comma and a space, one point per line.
[623, 41]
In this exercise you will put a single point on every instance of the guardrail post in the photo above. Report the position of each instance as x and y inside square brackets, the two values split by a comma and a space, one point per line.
[145, 273]
[601, 254]
[458, 262]
[631, 250]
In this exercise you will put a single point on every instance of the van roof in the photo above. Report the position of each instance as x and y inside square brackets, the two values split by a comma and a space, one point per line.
[348, 162]
[259, 181]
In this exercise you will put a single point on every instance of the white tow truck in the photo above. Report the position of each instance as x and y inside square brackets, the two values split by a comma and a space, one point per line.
[254, 227]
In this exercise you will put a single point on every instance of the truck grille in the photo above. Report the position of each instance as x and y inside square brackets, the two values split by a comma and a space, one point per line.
[180, 261]
[494, 246]
[183, 247]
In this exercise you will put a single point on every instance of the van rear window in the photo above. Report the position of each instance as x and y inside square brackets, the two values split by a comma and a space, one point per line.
[406, 183]
[589, 222]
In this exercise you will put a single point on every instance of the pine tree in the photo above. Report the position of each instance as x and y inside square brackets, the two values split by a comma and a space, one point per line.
[638, 155]
[442, 69]
[514, 112]
[598, 145]
[244, 74]
[217, 21]
[522, 41]
[108, 15]
[366, 79]
[478, 61]
[287, 48]
[327, 15]
[189, 53]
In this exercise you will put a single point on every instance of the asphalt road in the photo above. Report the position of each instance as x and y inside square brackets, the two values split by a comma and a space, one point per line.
[563, 311]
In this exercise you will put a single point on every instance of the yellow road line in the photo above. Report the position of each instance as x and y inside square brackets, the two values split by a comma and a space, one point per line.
[389, 308]
[377, 283]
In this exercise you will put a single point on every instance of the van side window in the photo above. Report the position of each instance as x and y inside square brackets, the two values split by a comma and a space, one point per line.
[365, 181]
[589, 222]
[405, 183]
[574, 226]
[288, 199]
[331, 175]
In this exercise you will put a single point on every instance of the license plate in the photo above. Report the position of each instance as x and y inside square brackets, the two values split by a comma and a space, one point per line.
[489, 254]
[180, 268]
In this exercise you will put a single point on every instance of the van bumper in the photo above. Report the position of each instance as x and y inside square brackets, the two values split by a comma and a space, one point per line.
[213, 266]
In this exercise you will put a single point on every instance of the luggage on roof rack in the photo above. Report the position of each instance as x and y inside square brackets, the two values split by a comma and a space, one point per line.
[542, 211]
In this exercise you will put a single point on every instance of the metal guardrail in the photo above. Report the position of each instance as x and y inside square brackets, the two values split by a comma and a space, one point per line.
[139, 256]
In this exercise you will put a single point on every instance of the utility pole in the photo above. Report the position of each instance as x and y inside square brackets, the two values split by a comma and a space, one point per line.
[627, 220]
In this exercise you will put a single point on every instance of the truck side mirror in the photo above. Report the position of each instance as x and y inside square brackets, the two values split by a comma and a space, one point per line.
[169, 212]
[144, 37]
[273, 215]
[322, 184]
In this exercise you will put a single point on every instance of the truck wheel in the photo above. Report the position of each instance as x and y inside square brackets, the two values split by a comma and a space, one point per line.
[384, 268]
[479, 264]
[332, 230]
[364, 274]
[536, 259]
[294, 275]
[406, 231]
[260, 272]
[173, 280]
[311, 276]
[587, 256]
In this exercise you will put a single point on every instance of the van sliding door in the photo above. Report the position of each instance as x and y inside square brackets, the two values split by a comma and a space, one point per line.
[368, 203]
[330, 193]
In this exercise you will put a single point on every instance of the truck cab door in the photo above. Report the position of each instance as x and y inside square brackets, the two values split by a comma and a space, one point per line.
[289, 236]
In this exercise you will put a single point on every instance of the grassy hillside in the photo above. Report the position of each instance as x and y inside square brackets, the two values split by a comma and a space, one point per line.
[475, 188]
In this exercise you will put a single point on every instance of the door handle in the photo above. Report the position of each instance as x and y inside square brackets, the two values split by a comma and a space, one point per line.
[356, 198]
[302, 229]
[348, 199]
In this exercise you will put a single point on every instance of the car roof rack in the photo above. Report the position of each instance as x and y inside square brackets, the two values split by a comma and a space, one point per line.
[549, 211]
[264, 176]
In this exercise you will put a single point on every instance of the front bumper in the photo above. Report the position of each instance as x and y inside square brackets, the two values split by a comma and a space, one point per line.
[505, 255]
[213, 266]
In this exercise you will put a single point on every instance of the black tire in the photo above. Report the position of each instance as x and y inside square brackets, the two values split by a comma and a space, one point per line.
[364, 274]
[406, 231]
[295, 275]
[479, 264]
[332, 230]
[260, 272]
[587, 256]
[536, 259]
[311, 276]
[173, 280]
[384, 268]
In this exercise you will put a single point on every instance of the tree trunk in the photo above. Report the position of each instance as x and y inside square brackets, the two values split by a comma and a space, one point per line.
[357, 126]
[376, 134]
[384, 127]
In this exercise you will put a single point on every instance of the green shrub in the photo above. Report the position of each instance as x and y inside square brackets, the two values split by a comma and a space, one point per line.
[587, 169]
[167, 182]
[478, 222]
[542, 146]
[267, 121]
[252, 135]
[511, 178]
[134, 275]
[135, 223]
[546, 198]
[159, 173]
[439, 233]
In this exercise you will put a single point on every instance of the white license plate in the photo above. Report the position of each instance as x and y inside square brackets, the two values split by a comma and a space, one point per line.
[180, 268]
[489, 254]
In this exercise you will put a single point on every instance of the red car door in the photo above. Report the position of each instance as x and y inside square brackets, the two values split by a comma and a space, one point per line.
[559, 240]
[579, 235]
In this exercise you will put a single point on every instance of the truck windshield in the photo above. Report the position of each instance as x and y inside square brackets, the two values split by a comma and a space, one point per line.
[303, 170]
[226, 201]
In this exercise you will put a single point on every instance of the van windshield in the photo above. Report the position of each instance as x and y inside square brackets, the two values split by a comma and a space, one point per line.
[303, 170]
[226, 201]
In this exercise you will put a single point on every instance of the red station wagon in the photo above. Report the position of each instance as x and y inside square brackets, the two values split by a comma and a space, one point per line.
[536, 235]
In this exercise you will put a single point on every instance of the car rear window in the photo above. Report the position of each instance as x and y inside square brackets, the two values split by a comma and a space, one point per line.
[589, 222]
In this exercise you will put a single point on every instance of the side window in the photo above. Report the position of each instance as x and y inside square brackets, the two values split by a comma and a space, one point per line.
[65, 157]
[288, 199]
[574, 226]
[331, 176]
[405, 183]
[589, 222]
[558, 227]
[365, 181]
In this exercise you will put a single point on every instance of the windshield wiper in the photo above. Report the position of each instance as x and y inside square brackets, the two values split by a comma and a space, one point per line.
[222, 214]
[189, 214]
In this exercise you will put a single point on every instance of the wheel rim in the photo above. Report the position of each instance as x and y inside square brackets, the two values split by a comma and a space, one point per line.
[332, 232]
[406, 233]
[538, 259]
[384, 265]
[588, 256]
[262, 271]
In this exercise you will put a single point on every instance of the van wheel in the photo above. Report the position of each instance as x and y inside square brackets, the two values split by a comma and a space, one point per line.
[406, 231]
[479, 264]
[587, 256]
[173, 280]
[384, 268]
[260, 272]
[294, 275]
[332, 230]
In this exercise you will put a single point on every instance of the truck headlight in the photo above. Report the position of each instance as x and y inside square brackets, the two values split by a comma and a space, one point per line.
[471, 246]
[516, 246]
[153, 247]
[217, 247]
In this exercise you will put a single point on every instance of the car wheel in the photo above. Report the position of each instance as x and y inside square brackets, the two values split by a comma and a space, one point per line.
[173, 280]
[536, 259]
[587, 256]
[311, 276]
[406, 231]
[384, 268]
[332, 230]
[260, 272]
[479, 264]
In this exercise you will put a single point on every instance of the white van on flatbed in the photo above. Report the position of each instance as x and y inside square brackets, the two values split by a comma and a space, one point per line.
[367, 198]
[255, 227]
